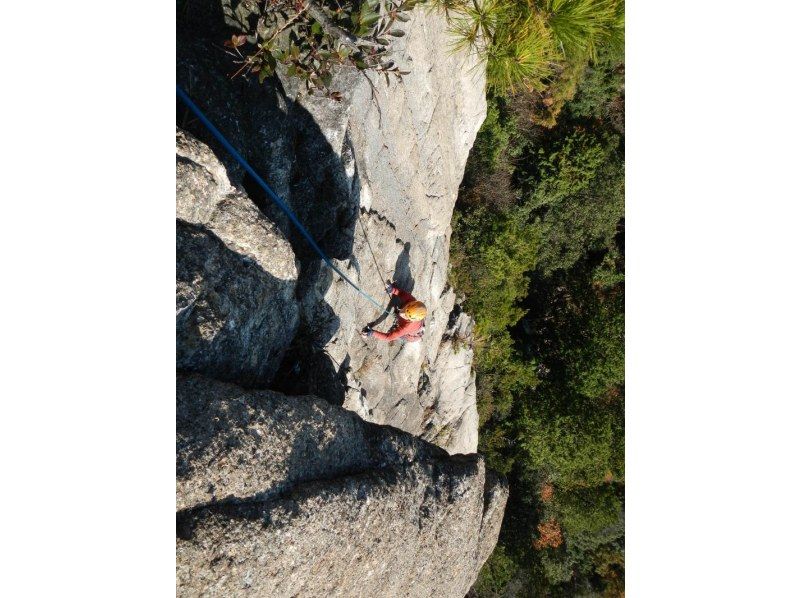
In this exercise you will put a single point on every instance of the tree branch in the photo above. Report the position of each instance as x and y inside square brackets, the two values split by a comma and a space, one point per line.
[331, 28]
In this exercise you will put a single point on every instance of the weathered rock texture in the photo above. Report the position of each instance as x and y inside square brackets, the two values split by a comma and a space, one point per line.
[386, 158]
[236, 275]
[295, 495]
[317, 502]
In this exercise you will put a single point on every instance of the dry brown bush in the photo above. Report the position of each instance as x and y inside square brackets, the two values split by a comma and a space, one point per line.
[546, 492]
[549, 535]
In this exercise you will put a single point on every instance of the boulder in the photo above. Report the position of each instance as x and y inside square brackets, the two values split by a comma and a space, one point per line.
[310, 500]
[236, 274]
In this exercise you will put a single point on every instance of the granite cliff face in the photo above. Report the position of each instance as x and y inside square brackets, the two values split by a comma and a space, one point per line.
[376, 174]
[281, 494]
[236, 275]
[293, 496]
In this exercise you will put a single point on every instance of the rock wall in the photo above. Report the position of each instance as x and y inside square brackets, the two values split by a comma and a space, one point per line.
[409, 143]
[375, 178]
[325, 504]
[236, 275]
[317, 473]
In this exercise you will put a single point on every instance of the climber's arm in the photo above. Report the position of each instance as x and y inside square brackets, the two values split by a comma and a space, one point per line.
[392, 334]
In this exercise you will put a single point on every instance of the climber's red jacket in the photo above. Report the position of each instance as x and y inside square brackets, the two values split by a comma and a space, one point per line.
[402, 328]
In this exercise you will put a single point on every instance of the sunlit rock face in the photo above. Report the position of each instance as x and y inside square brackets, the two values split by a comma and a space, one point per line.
[293, 496]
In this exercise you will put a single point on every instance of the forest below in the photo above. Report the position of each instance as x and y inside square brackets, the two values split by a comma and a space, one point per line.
[538, 252]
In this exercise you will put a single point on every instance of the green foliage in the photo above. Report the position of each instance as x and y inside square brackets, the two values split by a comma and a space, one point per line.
[502, 373]
[521, 53]
[491, 258]
[593, 525]
[573, 450]
[496, 250]
[596, 364]
[492, 140]
[557, 569]
[542, 107]
[538, 250]
[309, 40]
[591, 517]
[608, 273]
[473, 23]
[600, 94]
[540, 46]
[489, 170]
[578, 192]
[581, 26]
[494, 439]
[568, 169]
[499, 569]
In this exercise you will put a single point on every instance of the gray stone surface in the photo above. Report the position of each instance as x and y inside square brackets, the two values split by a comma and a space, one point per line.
[306, 514]
[390, 159]
[283, 495]
[236, 275]
[407, 145]
[237, 443]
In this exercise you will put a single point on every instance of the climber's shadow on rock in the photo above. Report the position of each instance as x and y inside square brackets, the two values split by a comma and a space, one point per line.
[402, 269]
[287, 146]
[403, 278]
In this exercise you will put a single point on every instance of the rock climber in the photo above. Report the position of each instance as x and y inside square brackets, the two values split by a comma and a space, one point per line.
[409, 324]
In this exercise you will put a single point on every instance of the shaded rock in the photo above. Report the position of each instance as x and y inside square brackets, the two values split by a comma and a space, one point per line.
[385, 515]
[255, 444]
[387, 157]
[236, 275]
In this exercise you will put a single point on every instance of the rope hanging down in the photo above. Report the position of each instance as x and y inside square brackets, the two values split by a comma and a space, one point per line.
[272, 195]
[374, 261]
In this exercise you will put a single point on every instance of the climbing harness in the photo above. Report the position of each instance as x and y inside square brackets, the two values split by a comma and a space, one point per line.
[272, 195]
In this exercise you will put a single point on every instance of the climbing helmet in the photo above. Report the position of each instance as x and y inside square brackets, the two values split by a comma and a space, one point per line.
[414, 311]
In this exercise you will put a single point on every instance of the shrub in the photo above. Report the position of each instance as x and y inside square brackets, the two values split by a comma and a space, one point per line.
[581, 26]
[309, 39]
[578, 193]
[557, 569]
[488, 173]
[591, 516]
[501, 375]
[549, 535]
[491, 142]
[495, 574]
[494, 443]
[538, 48]
[596, 363]
[491, 254]
[572, 450]
[542, 107]
[600, 93]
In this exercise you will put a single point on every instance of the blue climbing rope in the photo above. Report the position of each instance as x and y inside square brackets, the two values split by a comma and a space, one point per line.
[273, 196]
